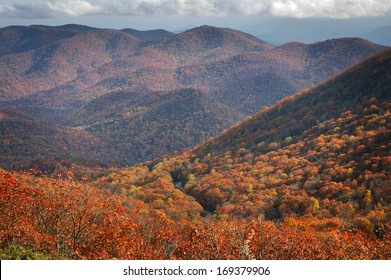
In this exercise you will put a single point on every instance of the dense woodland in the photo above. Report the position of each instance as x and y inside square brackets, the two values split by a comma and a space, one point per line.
[308, 178]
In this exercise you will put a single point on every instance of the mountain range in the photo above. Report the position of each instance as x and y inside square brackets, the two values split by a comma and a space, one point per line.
[306, 178]
[318, 159]
[142, 94]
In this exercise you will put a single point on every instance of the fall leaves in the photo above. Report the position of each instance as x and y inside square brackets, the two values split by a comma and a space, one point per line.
[59, 217]
[324, 196]
[64, 219]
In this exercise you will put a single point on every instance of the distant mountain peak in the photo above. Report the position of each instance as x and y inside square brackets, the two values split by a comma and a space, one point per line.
[208, 43]
[148, 35]
[381, 35]
[209, 29]
[70, 26]
[206, 27]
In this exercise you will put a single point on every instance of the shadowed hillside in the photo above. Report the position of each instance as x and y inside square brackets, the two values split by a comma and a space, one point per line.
[18, 39]
[25, 139]
[144, 126]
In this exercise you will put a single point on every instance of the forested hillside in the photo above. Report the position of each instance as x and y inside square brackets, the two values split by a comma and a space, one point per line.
[141, 126]
[131, 90]
[308, 178]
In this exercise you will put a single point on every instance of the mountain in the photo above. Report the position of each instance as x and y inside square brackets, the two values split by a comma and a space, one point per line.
[25, 140]
[208, 43]
[322, 148]
[249, 95]
[152, 67]
[115, 86]
[380, 36]
[327, 58]
[148, 35]
[321, 155]
[144, 126]
[349, 91]
[69, 27]
[19, 39]
[76, 70]
[285, 70]
[60, 62]
[312, 171]
[308, 178]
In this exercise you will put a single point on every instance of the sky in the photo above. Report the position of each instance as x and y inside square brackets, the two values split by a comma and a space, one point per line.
[269, 18]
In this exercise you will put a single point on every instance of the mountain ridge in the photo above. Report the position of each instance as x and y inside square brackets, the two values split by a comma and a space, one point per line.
[307, 178]
[319, 146]
[383, 60]
[231, 70]
[182, 60]
[202, 44]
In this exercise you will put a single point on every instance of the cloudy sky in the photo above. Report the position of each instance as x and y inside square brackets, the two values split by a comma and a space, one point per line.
[177, 14]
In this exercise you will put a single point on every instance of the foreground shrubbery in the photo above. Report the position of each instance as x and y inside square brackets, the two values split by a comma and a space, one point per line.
[45, 218]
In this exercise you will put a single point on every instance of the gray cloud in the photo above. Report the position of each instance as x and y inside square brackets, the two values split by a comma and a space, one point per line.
[74, 7]
[28, 11]
[49, 8]
[278, 8]
[330, 8]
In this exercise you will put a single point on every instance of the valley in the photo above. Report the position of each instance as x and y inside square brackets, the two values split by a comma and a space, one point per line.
[208, 144]
[113, 85]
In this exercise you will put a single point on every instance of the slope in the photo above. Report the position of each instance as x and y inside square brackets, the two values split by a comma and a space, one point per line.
[208, 43]
[348, 91]
[257, 79]
[319, 159]
[249, 95]
[324, 194]
[19, 39]
[26, 139]
[60, 62]
[142, 126]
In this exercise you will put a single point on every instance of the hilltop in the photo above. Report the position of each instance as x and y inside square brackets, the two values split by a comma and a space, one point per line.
[19, 39]
[60, 62]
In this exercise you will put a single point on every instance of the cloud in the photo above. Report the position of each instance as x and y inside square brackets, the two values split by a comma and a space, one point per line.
[330, 8]
[73, 7]
[198, 7]
[49, 8]
[29, 11]
[278, 8]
